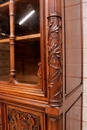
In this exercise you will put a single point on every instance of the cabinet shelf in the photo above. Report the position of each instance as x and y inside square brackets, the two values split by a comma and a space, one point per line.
[4, 4]
[21, 38]
[28, 37]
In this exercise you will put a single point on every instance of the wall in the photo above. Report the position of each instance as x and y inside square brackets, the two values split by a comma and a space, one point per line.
[84, 5]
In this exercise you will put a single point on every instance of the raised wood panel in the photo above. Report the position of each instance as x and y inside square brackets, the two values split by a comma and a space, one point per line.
[70, 3]
[19, 118]
[73, 43]
[74, 116]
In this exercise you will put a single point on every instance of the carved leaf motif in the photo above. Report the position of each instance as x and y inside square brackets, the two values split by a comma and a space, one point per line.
[55, 61]
[18, 120]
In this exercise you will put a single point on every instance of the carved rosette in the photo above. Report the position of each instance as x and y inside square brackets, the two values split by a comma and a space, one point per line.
[55, 60]
[18, 120]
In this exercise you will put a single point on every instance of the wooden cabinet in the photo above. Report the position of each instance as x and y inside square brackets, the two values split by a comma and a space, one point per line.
[40, 65]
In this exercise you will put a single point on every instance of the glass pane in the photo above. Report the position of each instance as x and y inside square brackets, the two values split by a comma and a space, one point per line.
[3, 1]
[4, 41]
[27, 58]
[73, 44]
[27, 17]
[4, 20]
[27, 47]
[4, 61]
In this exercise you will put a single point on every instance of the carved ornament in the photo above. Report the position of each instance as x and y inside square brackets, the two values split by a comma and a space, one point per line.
[55, 60]
[18, 120]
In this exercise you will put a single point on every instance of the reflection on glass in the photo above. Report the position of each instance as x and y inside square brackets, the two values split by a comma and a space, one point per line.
[4, 45]
[4, 20]
[31, 24]
[73, 44]
[27, 48]
[27, 55]
[3, 1]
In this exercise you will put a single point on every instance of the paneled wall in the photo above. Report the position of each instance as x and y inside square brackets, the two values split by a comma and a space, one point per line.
[84, 64]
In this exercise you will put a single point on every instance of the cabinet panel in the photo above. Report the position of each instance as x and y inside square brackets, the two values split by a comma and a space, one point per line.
[25, 119]
[73, 43]
[74, 116]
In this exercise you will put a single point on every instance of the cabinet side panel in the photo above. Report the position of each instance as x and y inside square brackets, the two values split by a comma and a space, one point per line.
[73, 116]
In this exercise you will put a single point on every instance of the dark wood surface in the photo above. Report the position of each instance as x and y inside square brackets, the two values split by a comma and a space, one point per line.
[48, 100]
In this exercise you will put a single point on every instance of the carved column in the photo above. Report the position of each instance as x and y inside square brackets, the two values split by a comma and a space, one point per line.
[12, 40]
[55, 53]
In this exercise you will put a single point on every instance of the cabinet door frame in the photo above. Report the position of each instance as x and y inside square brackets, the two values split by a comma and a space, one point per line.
[39, 88]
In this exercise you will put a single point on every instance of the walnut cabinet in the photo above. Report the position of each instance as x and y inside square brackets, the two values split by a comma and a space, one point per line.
[41, 65]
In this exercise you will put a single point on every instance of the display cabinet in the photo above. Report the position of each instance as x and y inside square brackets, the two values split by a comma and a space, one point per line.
[40, 65]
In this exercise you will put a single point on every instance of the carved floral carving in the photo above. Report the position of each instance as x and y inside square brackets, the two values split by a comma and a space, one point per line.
[55, 61]
[18, 120]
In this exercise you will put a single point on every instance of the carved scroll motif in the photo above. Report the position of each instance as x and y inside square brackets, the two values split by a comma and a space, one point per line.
[18, 120]
[55, 61]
